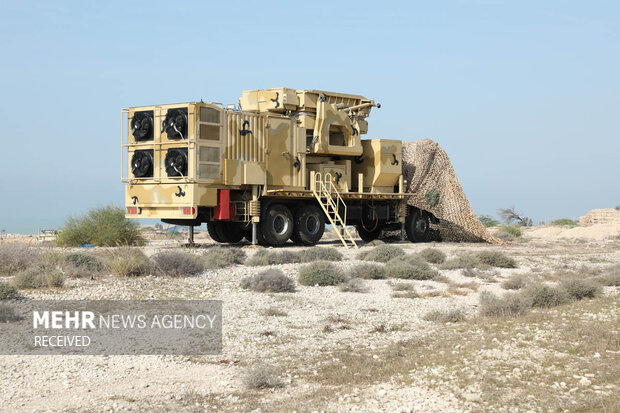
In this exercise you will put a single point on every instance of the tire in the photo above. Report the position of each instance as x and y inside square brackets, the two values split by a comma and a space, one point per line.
[276, 225]
[229, 231]
[366, 235]
[225, 231]
[309, 225]
[417, 226]
[212, 233]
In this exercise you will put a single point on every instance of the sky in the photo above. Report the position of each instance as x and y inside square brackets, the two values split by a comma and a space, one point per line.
[524, 96]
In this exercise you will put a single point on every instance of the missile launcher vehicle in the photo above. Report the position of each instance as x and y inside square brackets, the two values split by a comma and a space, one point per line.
[277, 167]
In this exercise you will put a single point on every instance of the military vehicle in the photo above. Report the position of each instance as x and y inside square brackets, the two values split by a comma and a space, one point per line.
[276, 167]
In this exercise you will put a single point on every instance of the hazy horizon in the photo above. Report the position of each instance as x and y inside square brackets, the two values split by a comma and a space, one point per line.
[524, 97]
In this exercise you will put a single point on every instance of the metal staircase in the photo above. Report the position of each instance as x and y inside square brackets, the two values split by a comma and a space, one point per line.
[330, 200]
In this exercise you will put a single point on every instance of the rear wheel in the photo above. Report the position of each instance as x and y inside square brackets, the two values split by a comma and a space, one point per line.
[225, 231]
[276, 225]
[417, 226]
[212, 233]
[309, 225]
[369, 234]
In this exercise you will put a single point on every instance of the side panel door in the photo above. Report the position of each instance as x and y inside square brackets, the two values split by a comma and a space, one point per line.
[280, 153]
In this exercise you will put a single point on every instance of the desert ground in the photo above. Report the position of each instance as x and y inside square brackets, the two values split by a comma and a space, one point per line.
[376, 348]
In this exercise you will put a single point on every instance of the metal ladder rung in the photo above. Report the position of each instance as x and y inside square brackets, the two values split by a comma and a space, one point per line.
[330, 207]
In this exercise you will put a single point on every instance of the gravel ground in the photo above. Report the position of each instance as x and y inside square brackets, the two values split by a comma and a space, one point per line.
[296, 343]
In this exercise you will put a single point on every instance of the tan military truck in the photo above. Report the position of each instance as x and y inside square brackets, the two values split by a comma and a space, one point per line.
[279, 166]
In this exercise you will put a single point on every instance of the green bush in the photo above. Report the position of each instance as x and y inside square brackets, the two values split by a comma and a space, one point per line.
[381, 253]
[17, 257]
[445, 316]
[411, 270]
[222, 257]
[496, 259]
[514, 230]
[266, 257]
[544, 296]
[320, 273]
[487, 221]
[578, 289]
[368, 271]
[320, 254]
[516, 282]
[271, 280]
[354, 285]
[177, 263]
[565, 222]
[129, 262]
[32, 278]
[433, 255]
[105, 226]
[7, 291]
[510, 304]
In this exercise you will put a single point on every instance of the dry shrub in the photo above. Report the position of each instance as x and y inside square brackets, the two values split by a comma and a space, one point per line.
[379, 329]
[578, 289]
[544, 296]
[320, 254]
[17, 257]
[510, 304]
[381, 253]
[354, 285]
[611, 278]
[8, 314]
[271, 280]
[403, 286]
[177, 263]
[221, 257]
[516, 282]
[71, 271]
[129, 262]
[505, 236]
[85, 261]
[413, 269]
[406, 294]
[433, 255]
[467, 261]
[262, 376]
[320, 273]
[266, 257]
[7, 291]
[368, 271]
[445, 316]
[274, 312]
[32, 278]
[496, 259]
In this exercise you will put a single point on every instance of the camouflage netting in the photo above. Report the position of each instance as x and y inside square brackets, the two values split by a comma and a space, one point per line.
[434, 187]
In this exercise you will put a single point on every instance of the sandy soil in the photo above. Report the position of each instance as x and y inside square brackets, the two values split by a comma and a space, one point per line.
[318, 327]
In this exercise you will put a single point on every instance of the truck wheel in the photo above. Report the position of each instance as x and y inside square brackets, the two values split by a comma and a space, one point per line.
[276, 224]
[212, 232]
[230, 231]
[367, 235]
[417, 226]
[309, 225]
